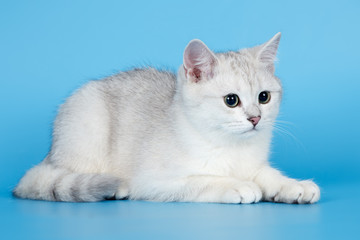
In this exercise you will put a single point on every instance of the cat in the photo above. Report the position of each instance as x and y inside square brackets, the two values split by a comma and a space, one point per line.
[201, 136]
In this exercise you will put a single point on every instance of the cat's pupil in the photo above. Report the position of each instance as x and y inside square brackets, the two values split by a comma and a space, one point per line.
[231, 100]
[264, 97]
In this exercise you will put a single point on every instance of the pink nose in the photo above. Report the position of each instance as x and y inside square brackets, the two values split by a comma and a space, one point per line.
[254, 120]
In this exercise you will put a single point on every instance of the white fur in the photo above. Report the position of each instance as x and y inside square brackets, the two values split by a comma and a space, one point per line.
[169, 139]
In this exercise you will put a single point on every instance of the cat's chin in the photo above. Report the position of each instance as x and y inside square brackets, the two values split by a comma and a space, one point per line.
[249, 133]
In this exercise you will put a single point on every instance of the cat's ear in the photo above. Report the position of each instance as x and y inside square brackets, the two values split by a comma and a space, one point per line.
[267, 52]
[199, 61]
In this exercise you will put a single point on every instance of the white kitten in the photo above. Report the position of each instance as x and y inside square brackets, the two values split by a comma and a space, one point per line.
[202, 136]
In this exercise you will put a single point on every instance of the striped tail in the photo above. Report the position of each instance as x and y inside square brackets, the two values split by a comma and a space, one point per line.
[47, 182]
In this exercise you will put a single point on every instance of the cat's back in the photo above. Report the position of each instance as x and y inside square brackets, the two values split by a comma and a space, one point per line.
[141, 85]
[132, 96]
[142, 91]
[139, 96]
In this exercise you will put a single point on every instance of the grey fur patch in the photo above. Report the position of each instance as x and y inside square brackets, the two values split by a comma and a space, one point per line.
[101, 187]
[86, 188]
[53, 191]
[53, 194]
[83, 188]
[75, 189]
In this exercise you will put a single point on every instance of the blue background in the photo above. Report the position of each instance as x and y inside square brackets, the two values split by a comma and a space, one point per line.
[50, 48]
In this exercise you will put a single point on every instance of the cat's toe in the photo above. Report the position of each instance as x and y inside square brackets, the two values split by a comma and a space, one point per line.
[292, 192]
[298, 192]
[311, 192]
[245, 192]
[249, 192]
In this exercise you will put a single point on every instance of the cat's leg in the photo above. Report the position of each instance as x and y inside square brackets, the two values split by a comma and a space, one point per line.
[201, 188]
[223, 190]
[279, 188]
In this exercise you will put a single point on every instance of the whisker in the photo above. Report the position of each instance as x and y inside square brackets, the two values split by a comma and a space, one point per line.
[282, 128]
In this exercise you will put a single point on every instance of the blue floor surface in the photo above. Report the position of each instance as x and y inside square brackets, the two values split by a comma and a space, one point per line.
[336, 216]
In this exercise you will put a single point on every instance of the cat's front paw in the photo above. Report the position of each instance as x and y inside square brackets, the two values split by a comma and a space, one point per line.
[298, 192]
[244, 192]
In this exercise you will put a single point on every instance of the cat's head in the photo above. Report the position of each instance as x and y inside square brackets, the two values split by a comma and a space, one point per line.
[234, 93]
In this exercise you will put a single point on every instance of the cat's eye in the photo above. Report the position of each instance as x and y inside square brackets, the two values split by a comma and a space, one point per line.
[231, 100]
[264, 97]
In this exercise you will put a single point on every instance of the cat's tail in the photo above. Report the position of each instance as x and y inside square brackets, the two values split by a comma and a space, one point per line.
[47, 182]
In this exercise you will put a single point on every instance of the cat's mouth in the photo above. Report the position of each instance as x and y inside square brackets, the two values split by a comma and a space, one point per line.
[252, 130]
[238, 129]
